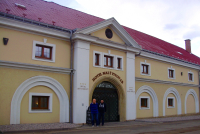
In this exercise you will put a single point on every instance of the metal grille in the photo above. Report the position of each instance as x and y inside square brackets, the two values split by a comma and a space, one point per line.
[108, 93]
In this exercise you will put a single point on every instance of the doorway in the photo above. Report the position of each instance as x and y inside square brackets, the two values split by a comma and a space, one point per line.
[108, 93]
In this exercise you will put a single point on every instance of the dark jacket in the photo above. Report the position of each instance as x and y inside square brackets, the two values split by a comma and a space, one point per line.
[94, 108]
[102, 107]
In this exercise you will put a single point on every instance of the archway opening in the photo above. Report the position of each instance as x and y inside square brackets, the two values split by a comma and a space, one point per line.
[108, 92]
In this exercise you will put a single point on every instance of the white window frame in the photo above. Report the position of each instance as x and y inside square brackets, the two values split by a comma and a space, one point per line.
[149, 68]
[173, 102]
[44, 44]
[190, 72]
[40, 110]
[116, 62]
[174, 74]
[148, 102]
[100, 59]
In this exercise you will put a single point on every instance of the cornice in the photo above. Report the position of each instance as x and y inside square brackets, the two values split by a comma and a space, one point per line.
[17, 65]
[96, 40]
[165, 82]
[31, 28]
[168, 59]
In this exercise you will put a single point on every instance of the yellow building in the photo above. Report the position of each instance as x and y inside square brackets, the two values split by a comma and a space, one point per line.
[50, 73]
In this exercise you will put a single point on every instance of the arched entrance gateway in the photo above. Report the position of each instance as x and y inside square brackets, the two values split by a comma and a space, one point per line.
[108, 92]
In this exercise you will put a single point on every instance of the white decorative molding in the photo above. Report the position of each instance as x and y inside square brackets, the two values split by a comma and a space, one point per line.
[190, 72]
[26, 66]
[53, 54]
[81, 81]
[153, 95]
[194, 94]
[130, 86]
[174, 73]
[148, 102]
[149, 68]
[49, 110]
[45, 40]
[173, 106]
[116, 27]
[165, 82]
[100, 59]
[173, 91]
[39, 81]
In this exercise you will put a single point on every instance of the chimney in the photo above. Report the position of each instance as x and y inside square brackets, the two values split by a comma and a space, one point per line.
[188, 45]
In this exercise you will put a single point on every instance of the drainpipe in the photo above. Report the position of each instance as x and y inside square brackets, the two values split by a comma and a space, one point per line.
[71, 76]
[199, 88]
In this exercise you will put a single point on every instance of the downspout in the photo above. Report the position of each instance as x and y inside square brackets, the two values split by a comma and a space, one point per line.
[199, 88]
[71, 76]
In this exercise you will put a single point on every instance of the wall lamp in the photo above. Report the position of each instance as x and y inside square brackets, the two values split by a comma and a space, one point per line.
[5, 41]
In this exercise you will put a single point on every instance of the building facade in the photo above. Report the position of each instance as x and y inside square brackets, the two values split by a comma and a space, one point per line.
[50, 73]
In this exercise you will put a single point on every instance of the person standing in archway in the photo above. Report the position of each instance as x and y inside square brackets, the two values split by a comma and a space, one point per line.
[94, 112]
[102, 110]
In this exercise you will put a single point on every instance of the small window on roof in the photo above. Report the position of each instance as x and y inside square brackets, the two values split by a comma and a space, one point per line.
[109, 33]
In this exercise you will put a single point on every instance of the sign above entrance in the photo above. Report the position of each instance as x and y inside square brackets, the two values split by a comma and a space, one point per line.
[107, 73]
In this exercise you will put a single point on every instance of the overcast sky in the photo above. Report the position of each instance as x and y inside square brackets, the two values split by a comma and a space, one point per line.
[170, 20]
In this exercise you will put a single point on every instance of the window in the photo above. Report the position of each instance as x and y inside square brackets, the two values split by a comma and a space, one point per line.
[40, 102]
[190, 76]
[145, 68]
[144, 102]
[108, 61]
[170, 102]
[171, 73]
[96, 59]
[119, 63]
[43, 51]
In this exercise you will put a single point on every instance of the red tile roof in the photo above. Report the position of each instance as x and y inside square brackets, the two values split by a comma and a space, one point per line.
[49, 12]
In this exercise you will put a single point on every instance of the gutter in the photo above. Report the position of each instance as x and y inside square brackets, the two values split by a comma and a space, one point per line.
[71, 75]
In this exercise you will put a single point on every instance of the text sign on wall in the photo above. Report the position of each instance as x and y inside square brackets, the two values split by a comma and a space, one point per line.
[107, 73]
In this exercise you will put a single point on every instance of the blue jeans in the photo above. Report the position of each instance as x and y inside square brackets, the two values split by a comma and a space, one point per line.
[95, 115]
[101, 116]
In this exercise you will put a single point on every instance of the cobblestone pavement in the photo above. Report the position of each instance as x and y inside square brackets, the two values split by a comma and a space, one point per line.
[186, 127]
[110, 125]
[41, 126]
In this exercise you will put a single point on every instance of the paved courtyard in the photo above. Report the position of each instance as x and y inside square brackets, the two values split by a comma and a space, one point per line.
[182, 124]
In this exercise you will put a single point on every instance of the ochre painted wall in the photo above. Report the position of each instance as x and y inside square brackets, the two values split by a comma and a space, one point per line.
[159, 71]
[190, 104]
[160, 90]
[170, 111]
[26, 117]
[96, 70]
[10, 80]
[20, 46]
[144, 113]
[101, 34]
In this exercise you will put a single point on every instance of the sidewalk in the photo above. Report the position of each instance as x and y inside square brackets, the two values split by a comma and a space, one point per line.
[64, 126]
